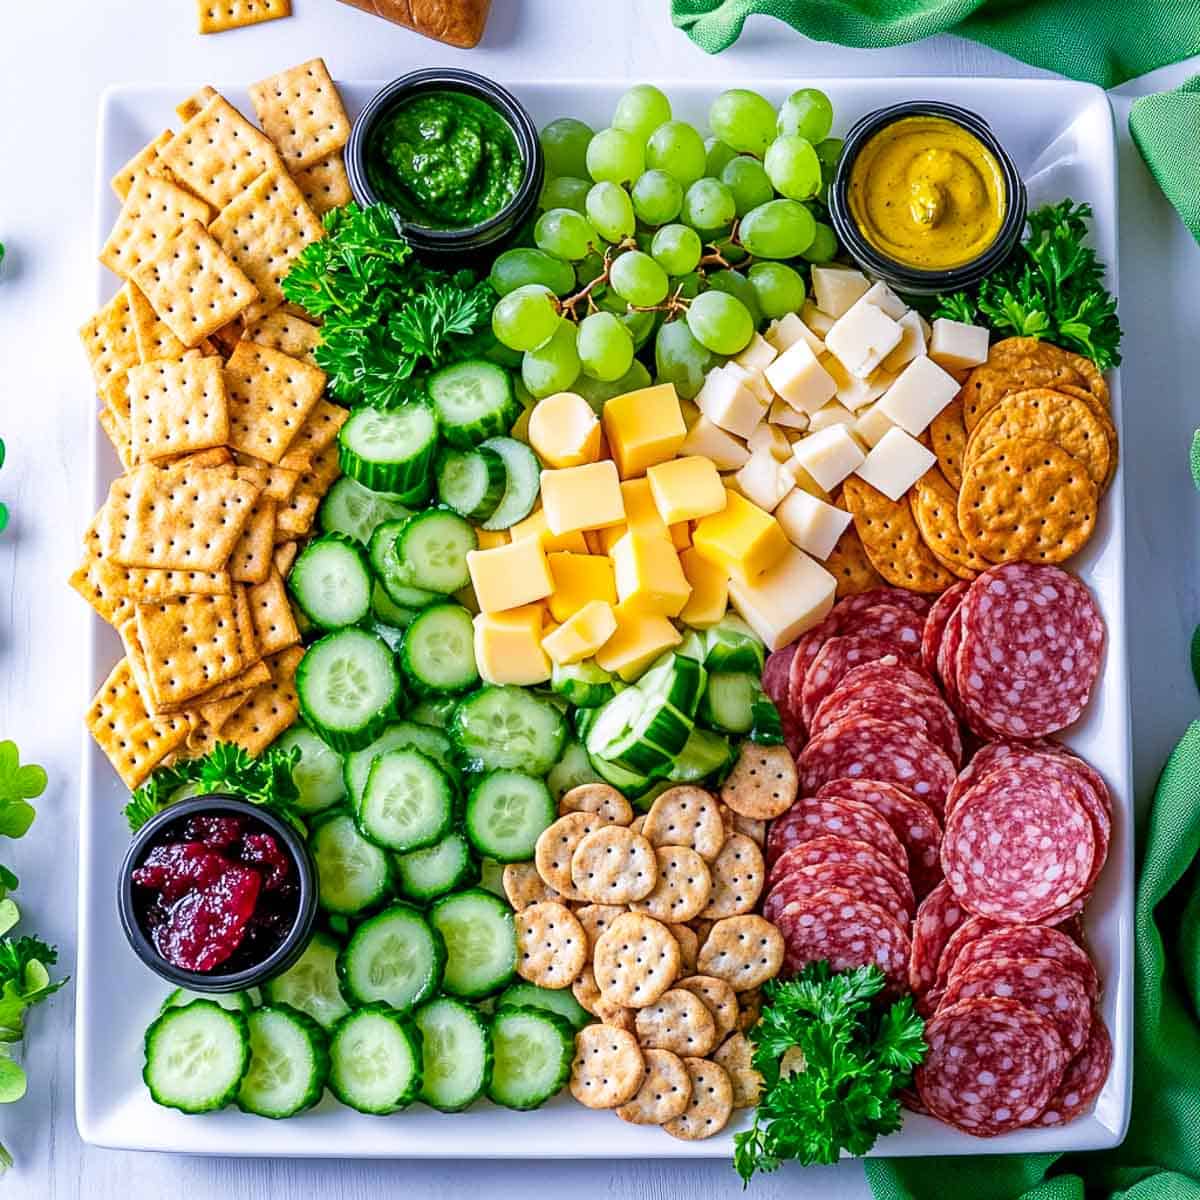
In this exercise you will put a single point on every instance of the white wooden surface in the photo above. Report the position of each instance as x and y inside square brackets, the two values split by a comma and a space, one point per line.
[56, 60]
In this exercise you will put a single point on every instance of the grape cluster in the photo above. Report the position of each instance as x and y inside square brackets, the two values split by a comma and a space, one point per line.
[648, 230]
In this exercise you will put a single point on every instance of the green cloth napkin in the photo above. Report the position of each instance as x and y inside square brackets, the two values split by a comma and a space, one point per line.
[1165, 127]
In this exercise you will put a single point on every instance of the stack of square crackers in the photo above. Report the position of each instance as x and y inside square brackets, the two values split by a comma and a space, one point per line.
[215, 407]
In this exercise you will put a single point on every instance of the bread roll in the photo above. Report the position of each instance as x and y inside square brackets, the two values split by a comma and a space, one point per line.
[455, 22]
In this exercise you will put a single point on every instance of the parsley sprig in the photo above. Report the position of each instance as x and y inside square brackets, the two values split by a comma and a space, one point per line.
[832, 1061]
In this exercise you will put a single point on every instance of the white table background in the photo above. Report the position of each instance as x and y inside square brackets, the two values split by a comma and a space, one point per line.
[57, 58]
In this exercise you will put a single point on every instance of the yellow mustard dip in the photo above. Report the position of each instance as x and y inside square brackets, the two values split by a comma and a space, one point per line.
[927, 193]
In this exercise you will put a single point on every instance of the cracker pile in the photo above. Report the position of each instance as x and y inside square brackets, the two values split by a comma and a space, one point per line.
[215, 407]
[652, 923]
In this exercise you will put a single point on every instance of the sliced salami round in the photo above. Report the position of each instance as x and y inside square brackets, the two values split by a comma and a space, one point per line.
[808, 646]
[895, 703]
[1029, 941]
[837, 656]
[843, 850]
[811, 817]
[1048, 987]
[1032, 645]
[936, 621]
[803, 882]
[888, 621]
[775, 684]
[993, 1066]
[901, 597]
[1082, 1080]
[893, 670]
[947, 659]
[939, 915]
[971, 930]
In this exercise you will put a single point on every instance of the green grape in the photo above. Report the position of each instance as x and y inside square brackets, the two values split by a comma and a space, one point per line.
[688, 286]
[615, 156]
[719, 155]
[524, 265]
[644, 239]
[638, 279]
[610, 211]
[553, 366]
[526, 318]
[777, 229]
[564, 144]
[792, 166]
[641, 110]
[829, 151]
[565, 233]
[680, 359]
[657, 197]
[779, 288]
[735, 284]
[823, 247]
[743, 120]
[605, 346]
[640, 326]
[746, 179]
[677, 249]
[675, 147]
[588, 268]
[709, 205]
[720, 323]
[807, 113]
[566, 191]
[596, 391]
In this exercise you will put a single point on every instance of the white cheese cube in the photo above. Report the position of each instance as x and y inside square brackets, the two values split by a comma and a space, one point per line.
[920, 392]
[926, 328]
[770, 440]
[764, 481]
[797, 377]
[757, 356]
[785, 600]
[832, 414]
[804, 481]
[835, 289]
[819, 322]
[788, 330]
[811, 524]
[726, 401]
[829, 456]
[711, 441]
[752, 379]
[854, 393]
[863, 338]
[884, 299]
[783, 414]
[912, 342]
[871, 424]
[956, 345]
[895, 463]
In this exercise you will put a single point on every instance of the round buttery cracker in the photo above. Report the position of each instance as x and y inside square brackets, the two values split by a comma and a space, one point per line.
[552, 947]
[683, 887]
[596, 918]
[638, 823]
[608, 1067]
[588, 995]
[686, 816]
[555, 847]
[1013, 365]
[613, 865]
[849, 565]
[689, 947]
[745, 951]
[636, 960]
[523, 886]
[763, 783]
[749, 1009]
[599, 798]
[738, 874]
[678, 1021]
[720, 999]
[711, 1104]
[736, 1055]
[948, 440]
[665, 1091]
[935, 509]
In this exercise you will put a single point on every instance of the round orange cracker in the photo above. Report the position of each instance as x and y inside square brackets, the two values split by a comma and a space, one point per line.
[1015, 365]
[948, 440]
[934, 506]
[849, 565]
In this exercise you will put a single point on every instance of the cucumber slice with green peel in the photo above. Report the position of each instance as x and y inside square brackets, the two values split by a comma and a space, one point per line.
[354, 510]
[705, 753]
[692, 646]
[731, 645]
[629, 783]
[393, 637]
[330, 582]
[196, 1056]
[583, 684]
[481, 942]
[375, 1060]
[508, 728]
[234, 1001]
[471, 482]
[506, 814]
[388, 450]
[571, 770]
[434, 711]
[645, 801]
[390, 573]
[522, 481]
[289, 1063]
[457, 1051]
[560, 1001]
[386, 611]
[318, 774]
[767, 725]
[728, 701]
[438, 651]
[473, 400]
[418, 496]
[491, 877]
[408, 802]
[428, 740]
[353, 874]
[533, 1049]
[311, 983]
[424, 875]
[433, 548]
[393, 958]
[348, 686]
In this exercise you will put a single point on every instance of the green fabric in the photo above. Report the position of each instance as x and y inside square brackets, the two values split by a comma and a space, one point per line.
[1166, 129]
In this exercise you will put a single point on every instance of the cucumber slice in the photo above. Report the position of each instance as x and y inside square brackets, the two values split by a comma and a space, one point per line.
[393, 957]
[728, 701]
[506, 813]
[196, 1056]
[318, 774]
[457, 1052]
[388, 450]
[572, 769]
[438, 651]
[433, 548]
[522, 480]
[473, 400]
[705, 753]
[311, 984]
[434, 711]
[432, 742]
[629, 783]
[386, 611]
[234, 1001]
[471, 482]
[508, 728]
[584, 684]
[354, 510]
[491, 877]
[375, 1060]
[353, 874]
[767, 725]
[289, 1063]
[331, 582]
[560, 1001]
[644, 802]
[408, 802]
[348, 686]
[481, 942]
[731, 645]
[390, 573]
[425, 875]
[533, 1050]
[692, 646]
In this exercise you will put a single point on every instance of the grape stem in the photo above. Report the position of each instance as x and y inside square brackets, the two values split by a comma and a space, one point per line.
[567, 307]
[674, 305]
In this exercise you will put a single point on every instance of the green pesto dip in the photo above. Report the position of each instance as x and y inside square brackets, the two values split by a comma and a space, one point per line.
[445, 160]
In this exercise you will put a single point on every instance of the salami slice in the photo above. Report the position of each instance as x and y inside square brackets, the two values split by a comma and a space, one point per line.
[863, 749]
[912, 821]
[971, 930]
[1048, 987]
[845, 930]
[1019, 846]
[938, 917]
[810, 817]
[993, 1066]
[834, 659]
[891, 670]
[900, 597]
[808, 646]
[892, 702]
[888, 621]
[843, 850]
[936, 621]
[1031, 649]
[775, 684]
[1082, 1080]
[1029, 941]
[804, 882]
[947, 659]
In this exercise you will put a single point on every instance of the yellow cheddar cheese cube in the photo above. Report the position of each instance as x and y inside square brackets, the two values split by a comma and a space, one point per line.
[710, 590]
[564, 430]
[786, 600]
[535, 526]
[681, 535]
[742, 538]
[606, 539]
[520, 429]
[582, 635]
[510, 576]
[686, 489]
[643, 428]
[508, 646]
[649, 577]
[593, 539]
[578, 580]
[489, 539]
[577, 498]
[640, 638]
[641, 513]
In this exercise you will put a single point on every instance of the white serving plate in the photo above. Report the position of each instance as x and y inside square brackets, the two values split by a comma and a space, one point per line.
[1061, 137]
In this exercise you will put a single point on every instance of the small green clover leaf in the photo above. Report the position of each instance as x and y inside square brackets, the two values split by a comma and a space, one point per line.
[12, 1082]
[19, 782]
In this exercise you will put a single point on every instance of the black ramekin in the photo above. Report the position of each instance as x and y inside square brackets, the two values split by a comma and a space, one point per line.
[900, 276]
[470, 238]
[284, 954]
